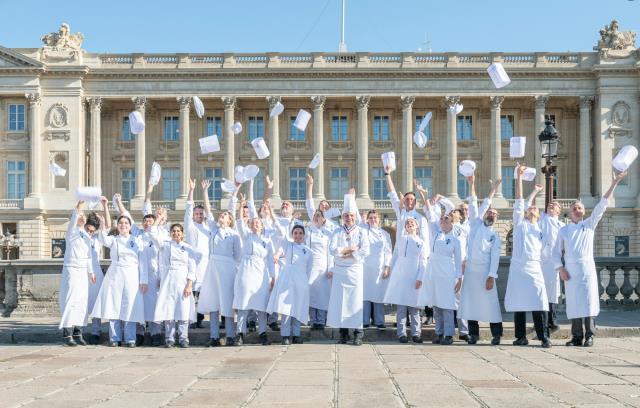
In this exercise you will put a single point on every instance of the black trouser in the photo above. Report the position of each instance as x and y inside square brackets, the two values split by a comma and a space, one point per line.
[551, 315]
[474, 328]
[539, 322]
[428, 312]
[356, 332]
[68, 332]
[589, 327]
[199, 316]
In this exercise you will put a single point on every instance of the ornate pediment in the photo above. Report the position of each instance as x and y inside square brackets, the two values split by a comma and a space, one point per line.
[615, 44]
[10, 59]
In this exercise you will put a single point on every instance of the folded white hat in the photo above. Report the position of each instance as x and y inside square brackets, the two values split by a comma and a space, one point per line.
[425, 122]
[456, 109]
[209, 144]
[93, 204]
[227, 186]
[56, 170]
[331, 213]
[237, 128]
[277, 109]
[315, 162]
[625, 158]
[447, 204]
[239, 174]
[198, 106]
[259, 145]
[156, 172]
[516, 146]
[350, 205]
[420, 139]
[136, 122]
[389, 160]
[467, 168]
[88, 194]
[302, 120]
[498, 75]
[251, 171]
[528, 175]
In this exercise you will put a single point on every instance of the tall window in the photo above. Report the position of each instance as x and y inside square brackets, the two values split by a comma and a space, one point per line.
[424, 176]
[427, 130]
[297, 183]
[507, 126]
[381, 128]
[16, 179]
[171, 128]
[295, 134]
[170, 183]
[256, 127]
[16, 117]
[215, 175]
[508, 183]
[339, 182]
[128, 179]
[258, 185]
[339, 129]
[126, 135]
[379, 184]
[464, 127]
[214, 126]
[463, 187]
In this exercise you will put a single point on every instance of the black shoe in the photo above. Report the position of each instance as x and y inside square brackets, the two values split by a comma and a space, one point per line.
[437, 340]
[251, 326]
[522, 341]
[184, 344]
[588, 342]
[169, 344]
[264, 339]
[357, 341]
[114, 344]
[344, 337]
[464, 337]
[403, 339]
[365, 326]
[448, 340]
[274, 326]
[546, 343]
[296, 340]
[575, 341]
[416, 339]
[240, 339]
[230, 342]
[285, 341]
[214, 343]
[94, 339]
[495, 341]
[139, 339]
[473, 339]
[79, 340]
[69, 341]
[156, 340]
[553, 328]
[321, 327]
[381, 326]
[314, 326]
[199, 324]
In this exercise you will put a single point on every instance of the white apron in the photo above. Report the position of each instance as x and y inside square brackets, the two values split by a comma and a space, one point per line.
[347, 291]
[550, 227]
[149, 268]
[379, 257]
[318, 240]
[251, 286]
[120, 297]
[290, 295]
[197, 235]
[407, 266]
[443, 270]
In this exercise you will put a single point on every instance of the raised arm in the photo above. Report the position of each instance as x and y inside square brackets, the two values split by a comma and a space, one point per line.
[601, 207]
[107, 216]
[73, 220]
[188, 209]
[206, 184]
[532, 196]
[393, 194]
[518, 206]
[268, 188]
[308, 203]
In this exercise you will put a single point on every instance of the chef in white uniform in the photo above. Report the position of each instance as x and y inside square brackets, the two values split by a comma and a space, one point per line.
[349, 248]
[318, 237]
[407, 210]
[579, 271]
[376, 271]
[525, 285]
[479, 293]
[324, 206]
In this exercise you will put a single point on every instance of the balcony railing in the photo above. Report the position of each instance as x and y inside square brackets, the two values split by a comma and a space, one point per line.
[565, 203]
[11, 204]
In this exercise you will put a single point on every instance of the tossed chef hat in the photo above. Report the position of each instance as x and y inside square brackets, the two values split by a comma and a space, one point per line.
[88, 194]
[625, 158]
[209, 144]
[239, 174]
[302, 120]
[198, 106]
[237, 128]
[227, 186]
[315, 162]
[467, 168]
[420, 139]
[251, 171]
[456, 109]
[498, 75]
[389, 159]
[350, 206]
[277, 109]
[447, 204]
[516, 146]
[136, 122]
[156, 172]
[260, 147]
[425, 122]
[528, 175]
[56, 170]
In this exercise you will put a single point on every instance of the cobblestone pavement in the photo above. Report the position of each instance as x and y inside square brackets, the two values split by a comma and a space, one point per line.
[323, 375]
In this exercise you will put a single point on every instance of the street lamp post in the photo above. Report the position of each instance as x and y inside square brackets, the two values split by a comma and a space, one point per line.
[549, 139]
[8, 241]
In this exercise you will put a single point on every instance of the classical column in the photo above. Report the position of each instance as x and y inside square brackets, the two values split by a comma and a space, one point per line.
[229, 103]
[496, 140]
[35, 102]
[538, 126]
[362, 158]
[140, 103]
[95, 165]
[584, 164]
[274, 148]
[451, 149]
[406, 160]
[318, 144]
[185, 164]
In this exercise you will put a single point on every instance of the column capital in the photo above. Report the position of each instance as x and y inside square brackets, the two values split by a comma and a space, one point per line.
[95, 103]
[184, 102]
[140, 102]
[541, 101]
[362, 101]
[406, 102]
[496, 101]
[586, 102]
[34, 98]
[273, 101]
[318, 102]
[451, 101]
[229, 102]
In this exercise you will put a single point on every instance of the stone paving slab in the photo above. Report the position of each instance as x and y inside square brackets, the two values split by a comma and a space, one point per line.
[325, 375]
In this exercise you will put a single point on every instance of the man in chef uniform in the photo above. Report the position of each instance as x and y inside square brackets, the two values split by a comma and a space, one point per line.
[575, 240]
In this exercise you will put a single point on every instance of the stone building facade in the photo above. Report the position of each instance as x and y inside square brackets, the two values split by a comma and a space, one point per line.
[62, 104]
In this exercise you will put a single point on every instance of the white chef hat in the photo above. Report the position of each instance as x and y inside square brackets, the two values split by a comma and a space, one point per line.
[389, 159]
[350, 206]
[528, 175]
[302, 120]
[56, 170]
[467, 168]
[625, 158]
[517, 146]
[236, 128]
[447, 204]
[315, 162]
[251, 171]
[420, 139]
[277, 109]
[260, 147]
[239, 174]
[209, 144]
[227, 186]
[136, 122]
[88, 194]
[425, 122]
[156, 172]
[456, 109]
[198, 106]
[498, 75]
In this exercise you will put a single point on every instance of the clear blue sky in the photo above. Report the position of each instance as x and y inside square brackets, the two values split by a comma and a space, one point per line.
[313, 25]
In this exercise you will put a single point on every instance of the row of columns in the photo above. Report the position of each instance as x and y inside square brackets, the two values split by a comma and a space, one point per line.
[362, 143]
